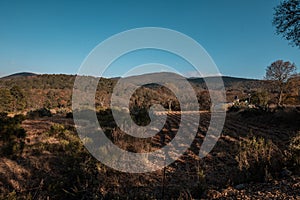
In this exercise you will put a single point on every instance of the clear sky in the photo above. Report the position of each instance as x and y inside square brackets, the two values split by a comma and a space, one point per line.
[56, 36]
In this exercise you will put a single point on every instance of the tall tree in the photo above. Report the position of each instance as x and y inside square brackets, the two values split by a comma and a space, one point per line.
[287, 21]
[280, 72]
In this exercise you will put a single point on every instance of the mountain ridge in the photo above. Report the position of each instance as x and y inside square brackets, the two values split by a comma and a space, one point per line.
[192, 79]
[19, 74]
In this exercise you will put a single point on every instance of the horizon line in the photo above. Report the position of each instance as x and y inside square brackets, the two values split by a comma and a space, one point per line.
[113, 77]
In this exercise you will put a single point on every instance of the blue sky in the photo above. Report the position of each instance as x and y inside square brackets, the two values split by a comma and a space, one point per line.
[56, 36]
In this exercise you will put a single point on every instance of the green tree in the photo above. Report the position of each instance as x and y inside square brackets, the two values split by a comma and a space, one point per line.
[280, 72]
[12, 135]
[6, 100]
[287, 21]
[260, 98]
[19, 102]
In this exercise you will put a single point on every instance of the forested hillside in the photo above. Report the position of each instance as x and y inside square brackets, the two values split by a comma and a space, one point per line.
[40, 91]
[30, 92]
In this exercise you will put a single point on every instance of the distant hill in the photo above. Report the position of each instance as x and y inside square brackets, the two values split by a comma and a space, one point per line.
[226, 79]
[231, 83]
[200, 81]
[18, 75]
[62, 81]
[55, 90]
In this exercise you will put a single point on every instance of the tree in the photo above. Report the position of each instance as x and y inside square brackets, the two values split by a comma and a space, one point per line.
[19, 98]
[280, 72]
[260, 98]
[287, 21]
[12, 135]
[6, 100]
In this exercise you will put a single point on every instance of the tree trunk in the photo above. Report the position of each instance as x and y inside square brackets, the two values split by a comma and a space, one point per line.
[280, 97]
[282, 86]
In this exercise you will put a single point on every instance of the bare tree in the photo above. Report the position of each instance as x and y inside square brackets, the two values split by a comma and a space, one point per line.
[280, 72]
[287, 21]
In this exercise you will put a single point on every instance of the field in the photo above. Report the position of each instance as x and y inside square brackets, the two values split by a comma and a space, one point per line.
[257, 154]
[251, 159]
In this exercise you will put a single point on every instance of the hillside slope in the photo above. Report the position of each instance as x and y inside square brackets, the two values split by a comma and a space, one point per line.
[55, 91]
[18, 75]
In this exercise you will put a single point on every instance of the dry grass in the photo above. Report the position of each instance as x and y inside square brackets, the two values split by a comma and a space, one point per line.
[55, 164]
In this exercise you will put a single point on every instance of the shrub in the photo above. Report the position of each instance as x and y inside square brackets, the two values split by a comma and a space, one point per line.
[43, 112]
[295, 149]
[234, 108]
[260, 98]
[12, 135]
[258, 159]
[69, 115]
[140, 116]
[57, 129]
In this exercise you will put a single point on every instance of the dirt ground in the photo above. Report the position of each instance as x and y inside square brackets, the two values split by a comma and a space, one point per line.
[216, 176]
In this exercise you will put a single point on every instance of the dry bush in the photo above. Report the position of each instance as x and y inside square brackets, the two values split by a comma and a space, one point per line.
[258, 159]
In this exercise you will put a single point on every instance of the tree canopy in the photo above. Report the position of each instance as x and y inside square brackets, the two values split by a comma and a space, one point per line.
[280, 71]
[287, 21]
